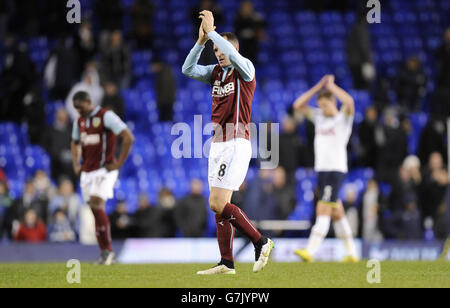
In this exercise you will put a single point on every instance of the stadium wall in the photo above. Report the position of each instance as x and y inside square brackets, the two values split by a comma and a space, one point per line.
[136, 251]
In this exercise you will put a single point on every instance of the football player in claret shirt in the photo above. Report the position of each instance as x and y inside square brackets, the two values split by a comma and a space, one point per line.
[95, 132]
[233, 85]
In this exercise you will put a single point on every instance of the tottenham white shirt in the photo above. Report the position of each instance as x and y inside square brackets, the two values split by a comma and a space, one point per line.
[330, 143]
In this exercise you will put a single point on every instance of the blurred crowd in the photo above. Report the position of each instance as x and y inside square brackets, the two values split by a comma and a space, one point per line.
[97, 57]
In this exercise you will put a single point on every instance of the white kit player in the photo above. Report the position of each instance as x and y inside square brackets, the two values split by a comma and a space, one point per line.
[333, 129]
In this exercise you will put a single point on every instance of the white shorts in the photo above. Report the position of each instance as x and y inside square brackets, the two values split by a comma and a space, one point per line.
[228, 163]
[98, 183]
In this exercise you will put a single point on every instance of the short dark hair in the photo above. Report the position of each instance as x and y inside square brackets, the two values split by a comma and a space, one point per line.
[231, 37]
[325, 94]
[81, 96]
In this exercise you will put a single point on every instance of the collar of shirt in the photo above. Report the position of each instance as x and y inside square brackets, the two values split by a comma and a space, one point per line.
[94, 112]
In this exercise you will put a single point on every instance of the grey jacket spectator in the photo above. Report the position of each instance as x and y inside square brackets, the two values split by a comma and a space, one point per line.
[191, 212]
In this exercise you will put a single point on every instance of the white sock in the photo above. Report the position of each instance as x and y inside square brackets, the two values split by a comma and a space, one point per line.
[318, 233]
[344, 232]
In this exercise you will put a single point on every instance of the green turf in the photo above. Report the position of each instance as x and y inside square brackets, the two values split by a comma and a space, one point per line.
[275, 275]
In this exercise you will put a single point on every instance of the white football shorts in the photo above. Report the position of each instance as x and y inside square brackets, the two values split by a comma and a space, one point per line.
[228, 163]
[98, 183]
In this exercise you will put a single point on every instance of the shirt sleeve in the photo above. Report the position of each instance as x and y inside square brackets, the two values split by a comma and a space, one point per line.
[244, 66]
[75, 132]
[114, 123]
[198, 72]
[315, 112]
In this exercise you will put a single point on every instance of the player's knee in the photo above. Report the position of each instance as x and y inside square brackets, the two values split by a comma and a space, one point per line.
[216, 204]
[96, 203]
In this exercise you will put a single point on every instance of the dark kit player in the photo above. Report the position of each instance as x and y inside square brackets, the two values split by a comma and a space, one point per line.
[233, 85]
[94, 133]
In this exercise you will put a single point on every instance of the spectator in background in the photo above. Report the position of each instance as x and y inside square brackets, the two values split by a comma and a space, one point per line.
[165, 89]
[29, 200]
[89, 83]
[145, 218]
[406, 187]
[66, 201]
[165, 222]
[290, 144]
[121, 222]
[367, 142]
[44, 187]
[370, 209]
[16, 78]
[32, 229]
[249, 27]
[359, 53]
[434, 186]
[116, 60]
[260, 202]
[113, 100]
[411, 85]
[5, 204]
[142, 13]
[60, 229]
[410, 221]
[56, 142]
[34, 113]
[207, 57]
[85, 47]
[109, 15]
[433, 139]
[283, 192]
[62, 69]
[443, 61]
[441, 97]
[191, 211]
[392, 147]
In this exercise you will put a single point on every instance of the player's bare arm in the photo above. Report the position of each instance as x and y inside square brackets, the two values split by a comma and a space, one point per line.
[127, 141]
[348, 104]
[301, 103]
[76, 149]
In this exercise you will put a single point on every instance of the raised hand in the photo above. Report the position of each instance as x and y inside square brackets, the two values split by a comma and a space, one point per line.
[207, 18]
[202, 36]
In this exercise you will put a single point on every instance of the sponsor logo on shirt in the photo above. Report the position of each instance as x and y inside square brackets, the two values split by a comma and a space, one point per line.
[327, 132]
[218, 91]
[89, 139]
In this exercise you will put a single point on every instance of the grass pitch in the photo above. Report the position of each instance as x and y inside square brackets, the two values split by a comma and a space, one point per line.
[275, 275]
